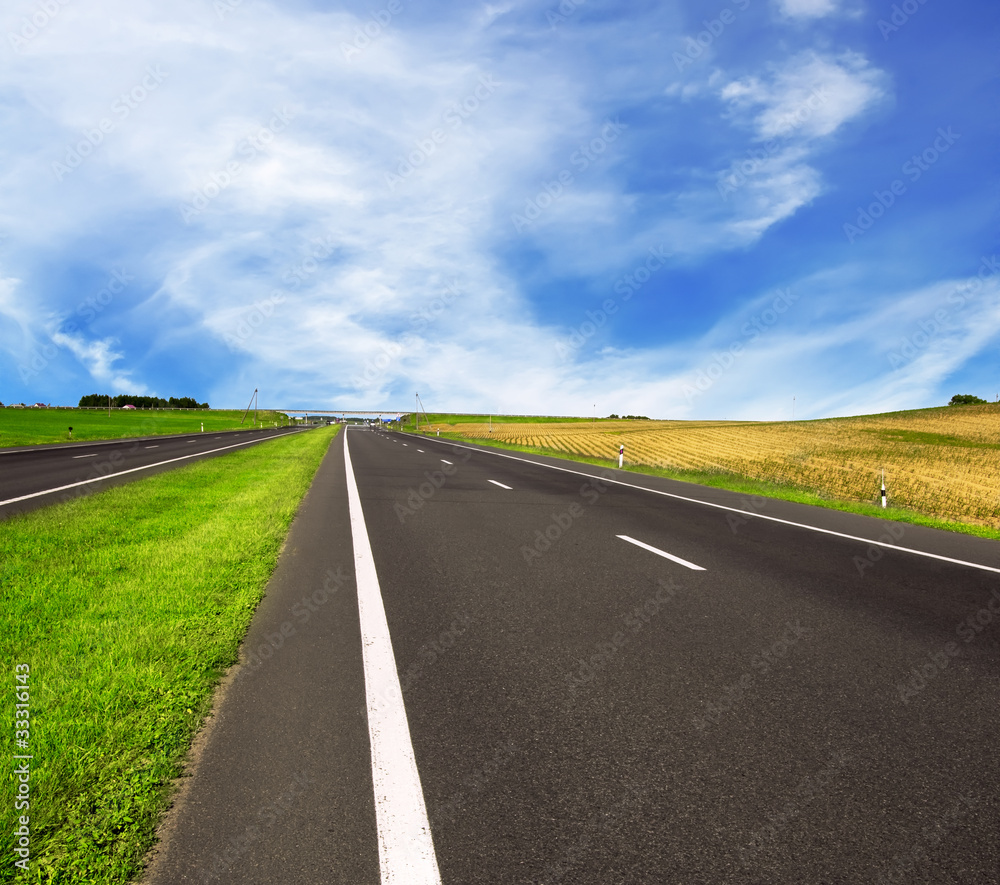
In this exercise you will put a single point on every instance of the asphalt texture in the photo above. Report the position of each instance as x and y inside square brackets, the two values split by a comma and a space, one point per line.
[35, 476]
[807, 708]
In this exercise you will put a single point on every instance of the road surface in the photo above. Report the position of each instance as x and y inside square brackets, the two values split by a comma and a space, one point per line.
[606, 678]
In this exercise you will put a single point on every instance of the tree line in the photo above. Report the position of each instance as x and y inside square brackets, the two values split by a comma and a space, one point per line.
[141, 402]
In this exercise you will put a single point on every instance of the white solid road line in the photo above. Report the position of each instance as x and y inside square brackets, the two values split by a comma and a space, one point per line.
[662, 553]
[499, 484]
[405, 848]
[748, 513]
[85, 482]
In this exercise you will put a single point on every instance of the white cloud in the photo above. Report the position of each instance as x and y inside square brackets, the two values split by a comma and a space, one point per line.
[98, 359]
[809, 96]
[806, 9]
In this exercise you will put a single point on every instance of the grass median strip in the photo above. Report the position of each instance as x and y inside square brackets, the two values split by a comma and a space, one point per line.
[128, 605]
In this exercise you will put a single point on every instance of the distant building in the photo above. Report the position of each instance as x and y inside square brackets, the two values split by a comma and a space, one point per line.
[128, 406]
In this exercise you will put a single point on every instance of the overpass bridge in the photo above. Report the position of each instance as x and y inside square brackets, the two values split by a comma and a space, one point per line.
[346, 413]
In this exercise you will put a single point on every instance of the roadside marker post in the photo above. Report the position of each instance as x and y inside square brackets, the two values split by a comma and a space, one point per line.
[621, 455]
[883, 488]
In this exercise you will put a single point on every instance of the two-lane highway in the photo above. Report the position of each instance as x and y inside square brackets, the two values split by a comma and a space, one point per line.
[33, 476]
[606, 678]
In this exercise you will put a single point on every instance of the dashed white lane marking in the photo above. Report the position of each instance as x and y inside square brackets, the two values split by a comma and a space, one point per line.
[91, 455]
[405, 848]
[662, 553]
[421, 451]
[889, 545]
[499, 484]
[445, 462]
[152, 447]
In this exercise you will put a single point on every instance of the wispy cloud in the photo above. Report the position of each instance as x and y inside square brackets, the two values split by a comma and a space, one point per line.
[358, 205]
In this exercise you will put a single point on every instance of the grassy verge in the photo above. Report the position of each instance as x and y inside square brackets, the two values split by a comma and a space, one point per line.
[736, 483]
[128, 606]
[26, 427]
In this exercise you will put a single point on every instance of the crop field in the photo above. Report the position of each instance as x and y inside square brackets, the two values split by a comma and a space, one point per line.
[942, 462]
[23, 427]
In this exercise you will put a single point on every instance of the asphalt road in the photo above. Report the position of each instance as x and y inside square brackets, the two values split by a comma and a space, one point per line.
[34, 476]
[764, 693]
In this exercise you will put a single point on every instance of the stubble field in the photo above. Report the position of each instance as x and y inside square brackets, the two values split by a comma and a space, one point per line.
[942, 462]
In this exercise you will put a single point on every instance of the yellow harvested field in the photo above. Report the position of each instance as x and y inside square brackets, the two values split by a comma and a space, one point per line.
[943, 462]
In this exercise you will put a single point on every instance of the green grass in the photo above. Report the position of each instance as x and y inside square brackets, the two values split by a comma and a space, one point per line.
[923, 438]
[128, 606]
[746, 485]
[24, 427]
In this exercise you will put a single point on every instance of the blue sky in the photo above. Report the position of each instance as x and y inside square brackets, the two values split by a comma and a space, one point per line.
[681, 210]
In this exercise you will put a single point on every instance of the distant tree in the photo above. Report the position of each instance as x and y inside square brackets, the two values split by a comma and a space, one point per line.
[612, 415]
[965, 399]
[141, 402]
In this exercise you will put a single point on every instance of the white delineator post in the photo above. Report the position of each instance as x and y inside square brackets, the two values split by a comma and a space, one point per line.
[621, 455]
[883, 487]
